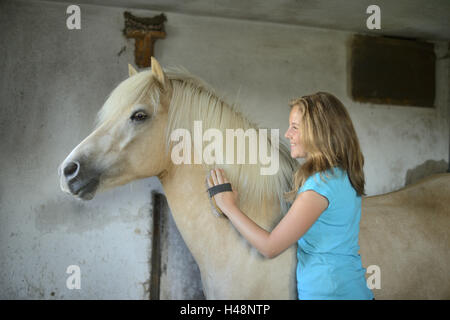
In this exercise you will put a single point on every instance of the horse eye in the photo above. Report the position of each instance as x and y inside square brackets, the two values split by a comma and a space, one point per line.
[138, 116]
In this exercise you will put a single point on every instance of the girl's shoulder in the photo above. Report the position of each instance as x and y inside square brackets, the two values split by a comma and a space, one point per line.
[324, 182]
[328, 176]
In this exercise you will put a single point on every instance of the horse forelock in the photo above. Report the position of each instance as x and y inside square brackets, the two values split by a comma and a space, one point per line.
[140, 88]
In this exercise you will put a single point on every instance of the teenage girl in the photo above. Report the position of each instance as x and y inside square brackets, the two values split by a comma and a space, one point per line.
[324, 216]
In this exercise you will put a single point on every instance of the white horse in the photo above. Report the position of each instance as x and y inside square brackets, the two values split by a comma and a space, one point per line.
[132, 140]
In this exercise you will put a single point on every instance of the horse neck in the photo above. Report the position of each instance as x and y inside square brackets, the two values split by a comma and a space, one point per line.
[186, 190]
[265, 212]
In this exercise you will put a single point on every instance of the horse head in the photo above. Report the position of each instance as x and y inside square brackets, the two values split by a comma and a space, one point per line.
[128, 140]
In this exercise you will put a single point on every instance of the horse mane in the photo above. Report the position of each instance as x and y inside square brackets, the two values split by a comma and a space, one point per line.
[192, 99]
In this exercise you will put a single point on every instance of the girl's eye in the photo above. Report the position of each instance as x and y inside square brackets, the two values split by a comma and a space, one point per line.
[138, 116]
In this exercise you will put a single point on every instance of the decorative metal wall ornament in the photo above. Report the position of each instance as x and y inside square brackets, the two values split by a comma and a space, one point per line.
[145, 31]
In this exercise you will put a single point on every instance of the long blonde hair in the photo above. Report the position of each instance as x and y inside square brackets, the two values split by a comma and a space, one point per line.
[329, 140]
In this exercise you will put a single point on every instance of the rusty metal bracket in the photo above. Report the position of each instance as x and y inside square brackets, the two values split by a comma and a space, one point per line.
[145, 31]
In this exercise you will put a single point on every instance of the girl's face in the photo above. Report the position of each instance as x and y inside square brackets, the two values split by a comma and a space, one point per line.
[293, 133]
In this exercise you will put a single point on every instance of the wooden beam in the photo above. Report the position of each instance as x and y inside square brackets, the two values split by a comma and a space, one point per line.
[155, 275]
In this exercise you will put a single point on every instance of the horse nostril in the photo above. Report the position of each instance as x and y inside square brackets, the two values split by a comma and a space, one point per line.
[71, 168]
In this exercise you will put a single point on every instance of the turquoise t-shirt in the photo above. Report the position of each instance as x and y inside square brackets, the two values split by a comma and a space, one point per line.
[329, 266]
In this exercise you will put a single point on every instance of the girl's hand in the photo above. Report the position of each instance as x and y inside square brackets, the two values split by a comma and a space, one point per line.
[227, 200]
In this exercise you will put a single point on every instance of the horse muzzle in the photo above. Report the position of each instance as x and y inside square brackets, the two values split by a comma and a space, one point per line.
[78, 180]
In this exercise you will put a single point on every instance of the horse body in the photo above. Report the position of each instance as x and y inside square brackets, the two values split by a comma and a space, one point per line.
[406, 234]
[400, 234]
[230, 268]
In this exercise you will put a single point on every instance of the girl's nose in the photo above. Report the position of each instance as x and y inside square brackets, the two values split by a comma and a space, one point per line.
[286, 134]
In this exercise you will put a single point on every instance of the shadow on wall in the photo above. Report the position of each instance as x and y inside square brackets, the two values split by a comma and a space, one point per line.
[426, 169]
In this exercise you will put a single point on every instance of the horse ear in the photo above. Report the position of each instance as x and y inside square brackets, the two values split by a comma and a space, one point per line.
[131, 70]
[158, 72]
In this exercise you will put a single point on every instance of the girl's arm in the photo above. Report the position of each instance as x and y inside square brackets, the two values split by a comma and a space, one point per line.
[305, 210]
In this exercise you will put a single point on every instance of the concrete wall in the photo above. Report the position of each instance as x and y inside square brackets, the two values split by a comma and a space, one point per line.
[52, 83]
[54, 80]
